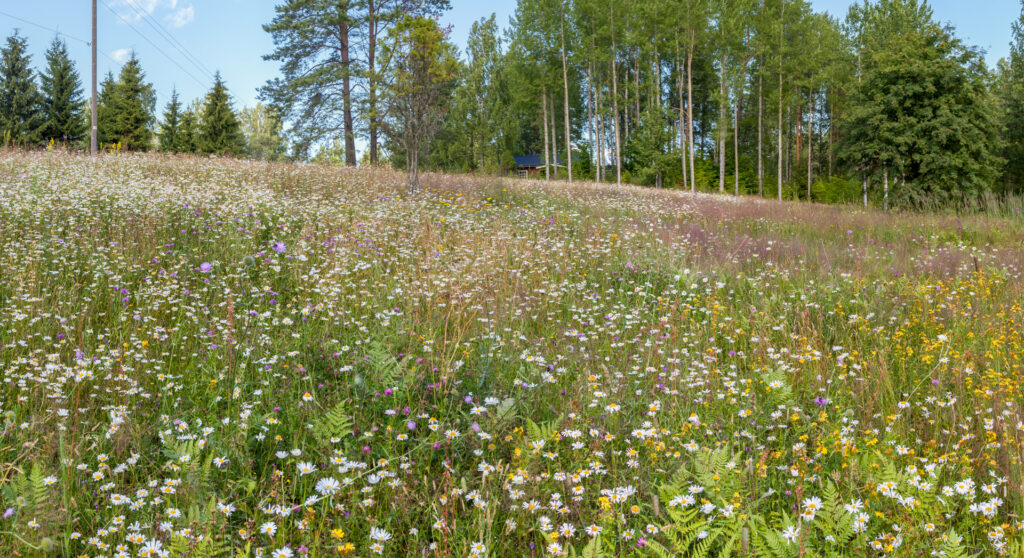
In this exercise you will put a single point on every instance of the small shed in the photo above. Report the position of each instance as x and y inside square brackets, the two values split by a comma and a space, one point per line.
[533, 165]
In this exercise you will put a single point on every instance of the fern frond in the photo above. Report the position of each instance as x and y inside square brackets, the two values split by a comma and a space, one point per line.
[335, 424]
[37, 485]
[952, 547]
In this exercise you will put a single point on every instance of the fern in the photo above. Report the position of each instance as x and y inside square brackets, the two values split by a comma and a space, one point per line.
[387, 371]
[335, 424]
[209, 547]
[591, 550]
[37, 486]
[952, 547]
[832, 519]
[545, 431]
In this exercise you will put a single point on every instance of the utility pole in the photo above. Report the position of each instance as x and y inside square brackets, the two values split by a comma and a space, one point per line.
[92, 103]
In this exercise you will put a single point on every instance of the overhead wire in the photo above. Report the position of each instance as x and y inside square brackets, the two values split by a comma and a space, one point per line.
[154, 45]
[189, 57]
[58, 32]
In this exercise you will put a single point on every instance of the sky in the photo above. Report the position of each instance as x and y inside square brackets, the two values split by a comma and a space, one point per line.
[181, 43]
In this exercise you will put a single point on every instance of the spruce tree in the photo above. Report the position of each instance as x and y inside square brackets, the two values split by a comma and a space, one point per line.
[132, 108]
[20, 117]
[219, 131]
[62, 97]
[171, 126]
[105, 110]
[188, 131]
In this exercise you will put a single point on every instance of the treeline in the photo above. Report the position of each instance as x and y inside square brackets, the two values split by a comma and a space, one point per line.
[761, 97]
[48, 107]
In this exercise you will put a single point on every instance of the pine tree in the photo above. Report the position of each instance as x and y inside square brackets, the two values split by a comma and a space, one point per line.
[131, 108]
[170, 128]
[62, 97]
[219, 131]
[21, 119]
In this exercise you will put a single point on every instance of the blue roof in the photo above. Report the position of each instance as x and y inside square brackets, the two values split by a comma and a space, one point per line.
[534, 160]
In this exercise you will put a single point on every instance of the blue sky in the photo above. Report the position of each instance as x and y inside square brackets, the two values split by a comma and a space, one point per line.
[181, 42]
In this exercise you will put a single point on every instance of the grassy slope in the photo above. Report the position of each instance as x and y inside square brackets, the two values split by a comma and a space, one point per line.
[456, 358]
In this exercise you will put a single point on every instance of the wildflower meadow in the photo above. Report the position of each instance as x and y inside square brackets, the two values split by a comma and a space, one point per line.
[209, 357]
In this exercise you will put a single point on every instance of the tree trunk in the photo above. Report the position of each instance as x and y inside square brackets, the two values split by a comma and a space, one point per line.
[810, 149]
[736, 148]
[723, 130]
[615, 116]
[346, 95]
[554, 138]
[780, 134]
[544, 118]
[689, 115]
[885, 188]
[760, 131]
[782, 21]
[864, 189]
[798, 136]
[565, 85]
[371, 54]
[682, 117]
[625, 104]
[636, 81]
[590, 117]
[599, 122]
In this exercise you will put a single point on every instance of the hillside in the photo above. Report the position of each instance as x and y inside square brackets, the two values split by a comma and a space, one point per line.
[299, 360]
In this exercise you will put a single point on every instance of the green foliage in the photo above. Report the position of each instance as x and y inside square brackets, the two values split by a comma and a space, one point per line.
[420, 81]
[219, 131]
[187, 135]
[62, 100]
[385, 370]
[923, 113]
[21, 120]
[1010, 92]
[126, 107]
[170, 128]
[208, 547]
[952, 547]
[335, 424]
[261, 128]
[478, 121]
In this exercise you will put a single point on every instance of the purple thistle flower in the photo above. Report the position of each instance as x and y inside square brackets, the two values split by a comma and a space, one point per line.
[205, 267]
[279, 247]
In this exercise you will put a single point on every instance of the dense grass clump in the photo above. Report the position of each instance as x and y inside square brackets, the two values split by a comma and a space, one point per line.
[213, 358]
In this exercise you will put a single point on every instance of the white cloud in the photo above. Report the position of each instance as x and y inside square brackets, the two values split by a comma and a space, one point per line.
[135, 10]
[182, 17]
[121, 55]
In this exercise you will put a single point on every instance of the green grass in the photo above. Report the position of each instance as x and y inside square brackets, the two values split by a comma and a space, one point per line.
[525, 368]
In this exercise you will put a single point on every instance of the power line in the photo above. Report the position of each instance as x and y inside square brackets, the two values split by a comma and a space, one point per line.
[189, 57]
[160, 50]
[23, 20]
[61, 33]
